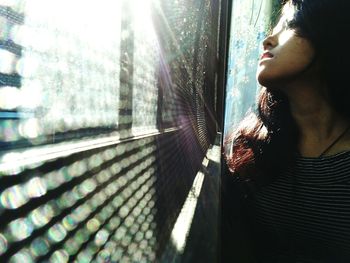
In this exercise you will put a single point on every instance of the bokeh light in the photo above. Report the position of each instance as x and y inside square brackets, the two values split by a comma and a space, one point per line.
[97, 126]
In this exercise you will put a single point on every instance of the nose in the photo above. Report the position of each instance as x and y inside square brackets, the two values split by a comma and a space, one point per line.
[269, 42]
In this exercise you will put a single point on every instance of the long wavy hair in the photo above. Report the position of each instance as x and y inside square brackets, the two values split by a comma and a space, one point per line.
[265, 142]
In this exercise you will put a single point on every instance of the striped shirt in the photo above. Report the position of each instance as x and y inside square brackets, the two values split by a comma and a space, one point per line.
[304, 216]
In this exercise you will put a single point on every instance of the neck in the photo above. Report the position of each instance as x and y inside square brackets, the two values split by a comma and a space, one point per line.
[312, 112]
[319, 124]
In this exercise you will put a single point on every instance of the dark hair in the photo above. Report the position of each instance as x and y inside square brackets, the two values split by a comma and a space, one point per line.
[266, 140]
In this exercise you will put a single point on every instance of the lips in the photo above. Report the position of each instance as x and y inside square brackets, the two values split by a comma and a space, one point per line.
[266, 55]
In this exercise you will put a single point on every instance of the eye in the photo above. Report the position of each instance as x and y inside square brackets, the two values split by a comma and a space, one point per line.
[279, 28]
[291, 24]
[282, 25]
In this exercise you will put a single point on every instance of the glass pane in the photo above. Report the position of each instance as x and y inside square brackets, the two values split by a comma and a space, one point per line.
[249, 22]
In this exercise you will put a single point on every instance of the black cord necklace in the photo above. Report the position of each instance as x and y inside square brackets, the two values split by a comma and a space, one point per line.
[335, 141]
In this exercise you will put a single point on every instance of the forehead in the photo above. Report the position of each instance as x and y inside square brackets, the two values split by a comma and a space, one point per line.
[288, 11]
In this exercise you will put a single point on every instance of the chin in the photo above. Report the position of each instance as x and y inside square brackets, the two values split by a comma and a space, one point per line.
[262, 77]
[270, 82]
[263, 81]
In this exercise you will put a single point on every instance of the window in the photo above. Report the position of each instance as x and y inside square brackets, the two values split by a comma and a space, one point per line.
[249, 22]
[104, 123]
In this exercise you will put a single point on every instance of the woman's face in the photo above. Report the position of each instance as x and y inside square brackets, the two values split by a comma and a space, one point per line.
[285, 56]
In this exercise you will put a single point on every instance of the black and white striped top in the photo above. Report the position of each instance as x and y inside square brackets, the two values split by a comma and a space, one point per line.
[304, 216]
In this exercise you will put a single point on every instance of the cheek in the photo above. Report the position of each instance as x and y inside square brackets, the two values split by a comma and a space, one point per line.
[288, 65]
[279, 73]
[304, 52]
[298, 63]
[285, 36]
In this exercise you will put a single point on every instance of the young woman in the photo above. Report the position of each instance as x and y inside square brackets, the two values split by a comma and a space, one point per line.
[286, 191]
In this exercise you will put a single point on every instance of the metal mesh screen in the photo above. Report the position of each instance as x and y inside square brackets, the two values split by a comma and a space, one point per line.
[106, 111]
